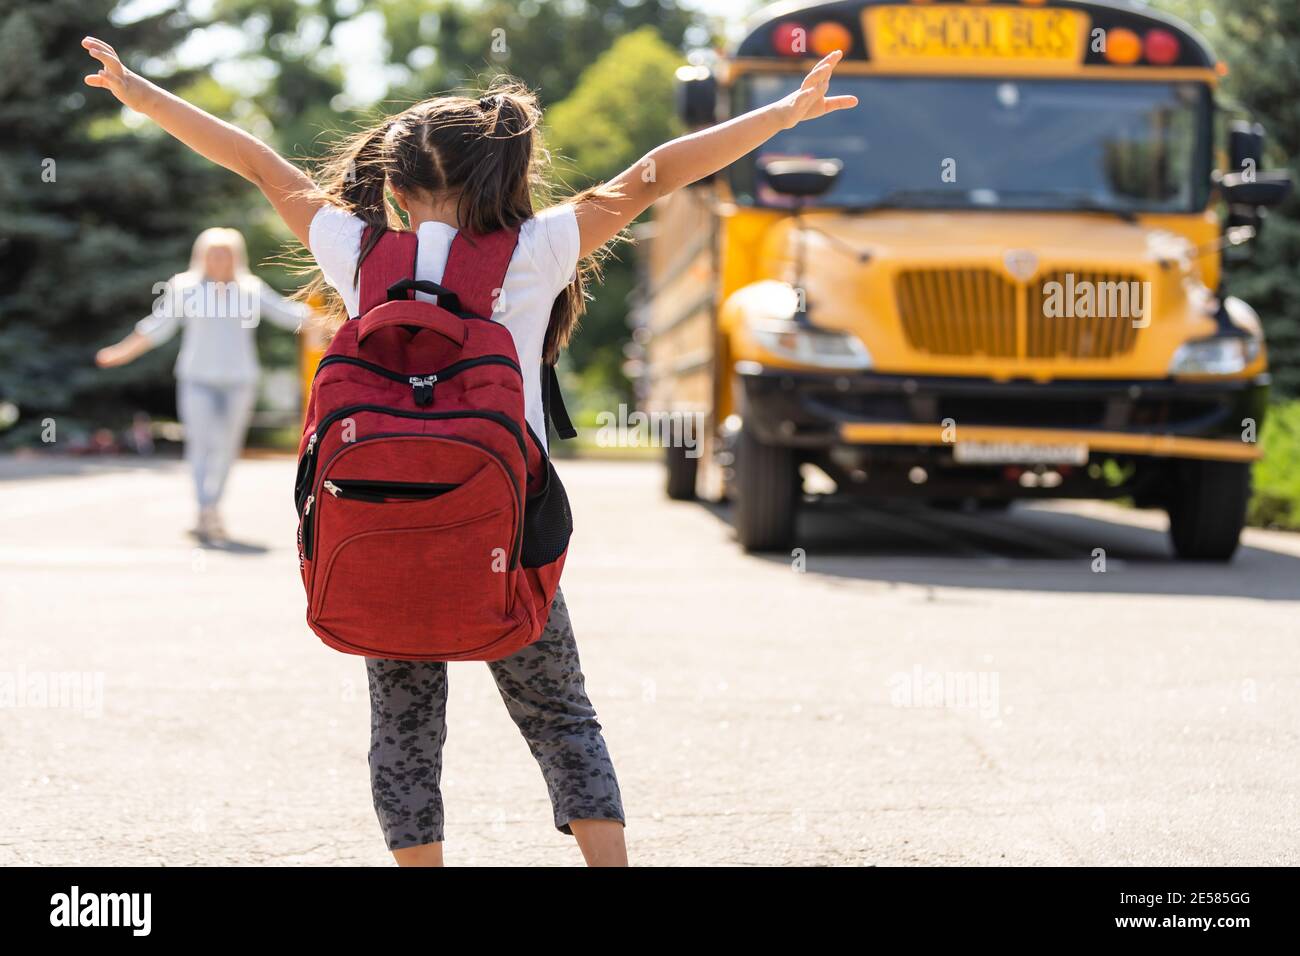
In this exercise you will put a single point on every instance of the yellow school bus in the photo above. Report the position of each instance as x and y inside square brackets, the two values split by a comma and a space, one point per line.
[1000, 277]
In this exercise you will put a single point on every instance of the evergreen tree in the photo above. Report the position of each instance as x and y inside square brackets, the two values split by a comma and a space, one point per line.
[1259, 41]
[92, 215]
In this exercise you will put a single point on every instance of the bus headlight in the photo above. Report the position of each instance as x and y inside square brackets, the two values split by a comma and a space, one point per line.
[824, 348]
[1225, 355]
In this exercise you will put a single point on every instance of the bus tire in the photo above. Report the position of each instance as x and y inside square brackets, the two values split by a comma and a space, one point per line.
[767, 494]
[1207, 509]
[681, 470]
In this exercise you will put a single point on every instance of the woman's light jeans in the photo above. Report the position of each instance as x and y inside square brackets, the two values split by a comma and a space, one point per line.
[215, 419]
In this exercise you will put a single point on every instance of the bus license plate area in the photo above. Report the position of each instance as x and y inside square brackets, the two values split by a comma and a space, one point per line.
[1019, 453]
[899, 35]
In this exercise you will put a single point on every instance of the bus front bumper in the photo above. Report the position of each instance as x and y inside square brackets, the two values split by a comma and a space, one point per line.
[1161, 418]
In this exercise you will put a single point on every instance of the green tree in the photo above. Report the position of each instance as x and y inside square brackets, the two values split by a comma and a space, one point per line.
[548, 44]
[1259, 41]
[621, 108]
[92, 215]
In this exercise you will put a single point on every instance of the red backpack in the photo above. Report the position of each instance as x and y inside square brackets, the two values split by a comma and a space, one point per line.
[432, 525]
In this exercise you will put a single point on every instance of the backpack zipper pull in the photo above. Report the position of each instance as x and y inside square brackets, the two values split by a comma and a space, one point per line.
[311, 445]
[423, 387]
[333, 489]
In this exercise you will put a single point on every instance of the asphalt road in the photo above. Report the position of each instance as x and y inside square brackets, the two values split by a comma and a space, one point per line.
[912, 687]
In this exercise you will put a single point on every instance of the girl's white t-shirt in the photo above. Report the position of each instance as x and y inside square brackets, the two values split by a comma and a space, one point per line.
[544, 262]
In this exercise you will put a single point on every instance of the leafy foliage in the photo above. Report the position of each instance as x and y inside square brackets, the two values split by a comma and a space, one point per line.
[1259, 42]
[1276, 502]
[620, 110]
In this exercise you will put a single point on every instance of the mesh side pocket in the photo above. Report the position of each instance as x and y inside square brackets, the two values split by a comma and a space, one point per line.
[548, 523]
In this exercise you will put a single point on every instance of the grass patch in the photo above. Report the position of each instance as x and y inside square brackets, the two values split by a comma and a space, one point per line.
[1276, 501]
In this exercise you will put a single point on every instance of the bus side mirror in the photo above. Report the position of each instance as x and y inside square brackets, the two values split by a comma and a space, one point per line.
[1263, 189]
[697, 97]
[802, 178]
[1247, 198]
[1245, 146]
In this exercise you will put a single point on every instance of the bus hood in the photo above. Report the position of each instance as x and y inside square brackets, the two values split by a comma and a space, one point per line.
[1041, 239]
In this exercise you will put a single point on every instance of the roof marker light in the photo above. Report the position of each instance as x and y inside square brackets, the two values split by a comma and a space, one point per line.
[790, 39]
[1162, 47]
[1123, 46]
[830, 36]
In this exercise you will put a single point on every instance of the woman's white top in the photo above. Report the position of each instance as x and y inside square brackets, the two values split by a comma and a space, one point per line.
[219, 319]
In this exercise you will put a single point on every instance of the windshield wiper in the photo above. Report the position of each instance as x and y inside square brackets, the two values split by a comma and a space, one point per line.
[915, 198]
[1077, 201]
[937, 198]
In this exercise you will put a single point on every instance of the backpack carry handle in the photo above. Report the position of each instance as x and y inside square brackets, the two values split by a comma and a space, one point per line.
[447, 299]
[406, 312]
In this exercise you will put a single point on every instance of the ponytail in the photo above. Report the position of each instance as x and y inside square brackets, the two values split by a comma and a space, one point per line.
[363, 184]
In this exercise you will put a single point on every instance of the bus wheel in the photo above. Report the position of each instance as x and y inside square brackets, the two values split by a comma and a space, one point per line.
[681, 469]
[1207, 509]
[767, 492]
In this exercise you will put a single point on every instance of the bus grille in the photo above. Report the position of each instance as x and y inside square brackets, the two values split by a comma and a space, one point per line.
[1064, 334]
[958, 311]
[973, 312]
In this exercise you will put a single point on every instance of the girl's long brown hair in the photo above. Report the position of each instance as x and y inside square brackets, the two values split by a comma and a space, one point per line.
[486, 150]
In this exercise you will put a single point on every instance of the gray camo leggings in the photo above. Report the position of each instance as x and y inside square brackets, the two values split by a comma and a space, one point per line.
[542, 687]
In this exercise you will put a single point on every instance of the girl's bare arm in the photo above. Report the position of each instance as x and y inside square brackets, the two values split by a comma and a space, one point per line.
[690, 158]
[285, 185]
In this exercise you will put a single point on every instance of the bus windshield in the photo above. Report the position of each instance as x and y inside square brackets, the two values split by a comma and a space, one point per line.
[997, 143]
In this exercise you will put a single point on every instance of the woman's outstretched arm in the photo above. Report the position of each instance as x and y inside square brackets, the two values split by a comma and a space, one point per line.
[286, 186]
[150, 332]
[279, 311]
[683, 161]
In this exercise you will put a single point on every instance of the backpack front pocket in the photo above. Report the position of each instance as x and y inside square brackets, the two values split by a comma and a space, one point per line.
[407, 568]
[414, 576]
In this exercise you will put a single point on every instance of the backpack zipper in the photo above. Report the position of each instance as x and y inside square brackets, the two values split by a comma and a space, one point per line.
[421, 385]
[306, 464]
[380, 491]
[304, 534]
[300, 484]
[516, 546]
[502, 420]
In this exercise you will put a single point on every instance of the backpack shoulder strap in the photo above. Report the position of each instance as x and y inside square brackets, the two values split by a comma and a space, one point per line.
[553, 409]
[476, 268]
[476, 272]
[391, 260]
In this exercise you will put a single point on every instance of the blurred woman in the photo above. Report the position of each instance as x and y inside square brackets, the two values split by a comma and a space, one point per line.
[219, 304]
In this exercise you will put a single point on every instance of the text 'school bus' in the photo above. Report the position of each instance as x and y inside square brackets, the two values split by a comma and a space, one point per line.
[999, 277]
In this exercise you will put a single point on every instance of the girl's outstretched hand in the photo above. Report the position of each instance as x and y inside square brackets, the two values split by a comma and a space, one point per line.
[129, 88]
[810, 100]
